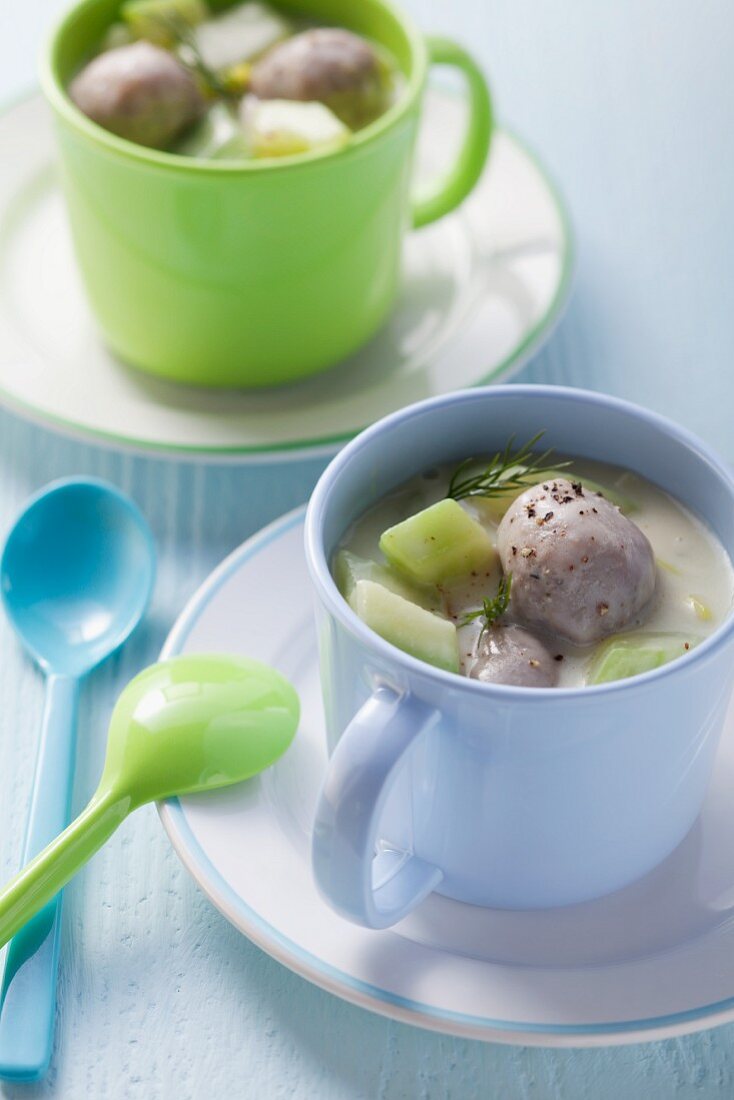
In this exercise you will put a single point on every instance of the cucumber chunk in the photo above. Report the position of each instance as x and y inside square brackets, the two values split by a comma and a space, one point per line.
[349, 568]
[437, 544]
[407, 626]
[630, 655]
[239, 33]
[284, 128]
[160, 21]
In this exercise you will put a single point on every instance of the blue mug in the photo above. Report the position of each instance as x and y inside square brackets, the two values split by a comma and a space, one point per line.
[496, 795]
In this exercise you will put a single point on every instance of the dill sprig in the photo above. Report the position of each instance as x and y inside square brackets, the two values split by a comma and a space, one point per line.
[491, 609]
[507, 470]
[189, 53]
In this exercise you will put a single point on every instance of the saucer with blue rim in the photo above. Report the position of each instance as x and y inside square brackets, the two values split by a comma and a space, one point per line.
[650, 961]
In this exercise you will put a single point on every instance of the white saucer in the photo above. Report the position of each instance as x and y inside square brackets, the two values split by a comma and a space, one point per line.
[654, 960]
[481, 290]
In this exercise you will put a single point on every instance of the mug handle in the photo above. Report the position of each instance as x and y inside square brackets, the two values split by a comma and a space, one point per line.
[453, 189]
[369, 888]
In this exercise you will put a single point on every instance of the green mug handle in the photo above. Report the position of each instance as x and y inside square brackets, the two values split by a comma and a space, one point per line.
[453, 189]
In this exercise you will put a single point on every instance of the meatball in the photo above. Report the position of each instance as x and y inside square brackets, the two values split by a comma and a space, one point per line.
[139, 92]
[327, 64]
[511, 655]
[579, 567]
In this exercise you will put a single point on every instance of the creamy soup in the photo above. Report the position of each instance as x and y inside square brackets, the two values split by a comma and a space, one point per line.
[243, 83]
[590, 574]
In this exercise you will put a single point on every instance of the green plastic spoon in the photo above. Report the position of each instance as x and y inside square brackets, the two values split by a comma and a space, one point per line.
[184, 725]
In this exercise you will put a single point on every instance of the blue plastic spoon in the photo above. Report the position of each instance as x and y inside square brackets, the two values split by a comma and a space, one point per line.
[76, 575]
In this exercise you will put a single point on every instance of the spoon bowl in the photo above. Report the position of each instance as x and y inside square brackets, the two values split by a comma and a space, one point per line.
[188, 724]
[195, 723]
[76, 574]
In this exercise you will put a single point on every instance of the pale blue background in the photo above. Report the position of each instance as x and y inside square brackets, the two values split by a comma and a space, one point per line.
[631, 105]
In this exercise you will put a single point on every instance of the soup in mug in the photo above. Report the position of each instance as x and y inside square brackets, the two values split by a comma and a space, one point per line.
[246, 83]
[535, 571]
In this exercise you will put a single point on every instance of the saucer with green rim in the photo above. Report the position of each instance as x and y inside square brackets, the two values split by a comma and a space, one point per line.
[481, 291]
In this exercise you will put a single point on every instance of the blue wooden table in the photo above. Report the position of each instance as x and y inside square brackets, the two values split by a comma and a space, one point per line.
[631, 106]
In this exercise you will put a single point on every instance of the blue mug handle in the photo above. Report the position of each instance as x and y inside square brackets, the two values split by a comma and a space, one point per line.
[374, 890]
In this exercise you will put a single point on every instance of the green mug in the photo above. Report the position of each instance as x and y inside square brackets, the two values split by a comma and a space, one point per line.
[224, 273]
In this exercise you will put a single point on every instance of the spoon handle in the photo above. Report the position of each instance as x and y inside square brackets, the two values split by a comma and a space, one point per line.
[38, 882]
[28, 993]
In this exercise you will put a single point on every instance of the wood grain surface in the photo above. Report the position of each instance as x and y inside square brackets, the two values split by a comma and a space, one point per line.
[630, 104]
